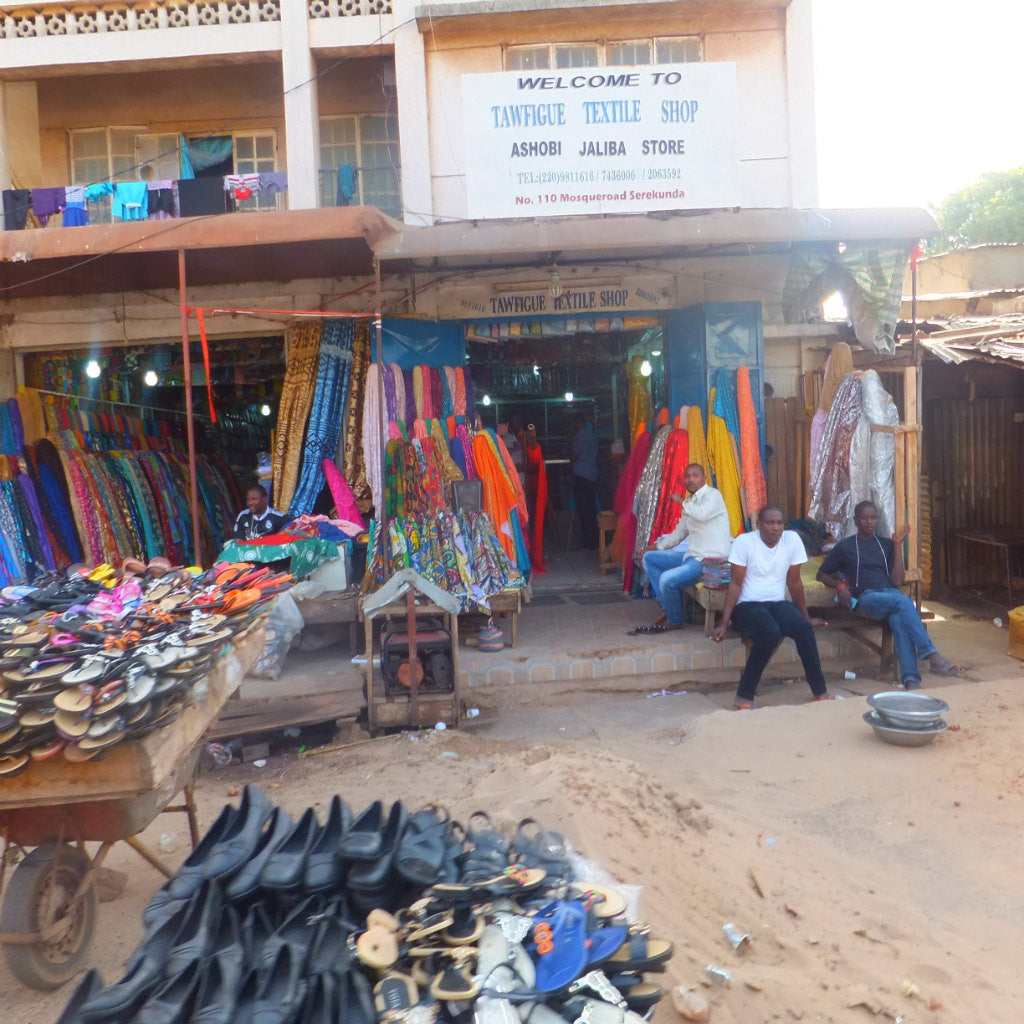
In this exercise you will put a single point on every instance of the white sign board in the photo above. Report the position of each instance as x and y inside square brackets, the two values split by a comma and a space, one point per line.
[601, 140]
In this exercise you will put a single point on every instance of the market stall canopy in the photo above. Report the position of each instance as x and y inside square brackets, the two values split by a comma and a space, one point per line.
[227, 249]
[470, 244]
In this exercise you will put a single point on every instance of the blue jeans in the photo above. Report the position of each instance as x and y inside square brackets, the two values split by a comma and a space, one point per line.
[669, 573]
[765, 623]
[909, 636]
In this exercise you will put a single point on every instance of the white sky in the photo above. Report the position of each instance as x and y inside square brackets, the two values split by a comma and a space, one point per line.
[916, 98]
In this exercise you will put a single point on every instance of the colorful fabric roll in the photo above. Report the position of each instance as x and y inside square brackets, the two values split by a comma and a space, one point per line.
[751, 467]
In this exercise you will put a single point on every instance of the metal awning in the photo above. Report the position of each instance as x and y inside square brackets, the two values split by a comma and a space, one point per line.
[223, 249]
[509, 243]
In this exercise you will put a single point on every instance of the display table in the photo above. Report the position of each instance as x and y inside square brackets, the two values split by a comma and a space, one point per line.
[305, 553]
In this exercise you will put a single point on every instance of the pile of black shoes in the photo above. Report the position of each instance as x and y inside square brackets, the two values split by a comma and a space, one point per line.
[384, 915]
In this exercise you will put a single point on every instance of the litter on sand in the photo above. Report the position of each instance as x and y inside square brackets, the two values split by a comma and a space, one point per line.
[667, 693]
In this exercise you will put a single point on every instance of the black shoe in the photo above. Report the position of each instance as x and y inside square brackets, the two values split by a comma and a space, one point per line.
[286, 866]
[172, 1002]
[323, 869]
[372, 875]
[243, 840]
[194, 940]
[246, 880]
[257, 928]
[330, 951]
[297, 930]
[281, 990]
[363, 841]
[215, 1003]
[190, 875]
[321, 1003]
[145, 972]
[90, 984]
[228, 950]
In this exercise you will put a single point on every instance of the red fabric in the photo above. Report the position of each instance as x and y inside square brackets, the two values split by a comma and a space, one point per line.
[284, 537]
[537, 502]
[206, 364]
[673, 468]
[625, 530]
[750, 445]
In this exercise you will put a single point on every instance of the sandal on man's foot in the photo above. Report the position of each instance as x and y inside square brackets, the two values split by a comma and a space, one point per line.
[941, 666]
[744, 705]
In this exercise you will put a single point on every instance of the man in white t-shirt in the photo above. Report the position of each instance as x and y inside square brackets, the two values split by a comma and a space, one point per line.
[764, 563]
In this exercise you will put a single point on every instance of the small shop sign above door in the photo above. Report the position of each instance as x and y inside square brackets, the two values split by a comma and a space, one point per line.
[601, 140]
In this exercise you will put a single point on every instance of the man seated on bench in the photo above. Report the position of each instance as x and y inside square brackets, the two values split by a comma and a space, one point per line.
[866, 572]
[705, 522]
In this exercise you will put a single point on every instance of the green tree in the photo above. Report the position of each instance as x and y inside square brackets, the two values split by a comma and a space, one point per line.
[990, 211]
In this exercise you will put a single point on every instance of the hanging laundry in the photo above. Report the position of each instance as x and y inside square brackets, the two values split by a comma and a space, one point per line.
[17, 202]
[200, 197]
[241, 186]
[162, 200]
[346, 185]
[46, 202]
[75, 212]
[131, 201]
[273, 182]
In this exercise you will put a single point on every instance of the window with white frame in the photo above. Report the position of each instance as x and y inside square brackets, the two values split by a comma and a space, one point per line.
[653, 50]
[103, 154]
[359, 162]
[256, 154]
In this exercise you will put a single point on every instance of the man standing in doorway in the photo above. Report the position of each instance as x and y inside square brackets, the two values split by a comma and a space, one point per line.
[867, 570]
[764, 563]
[584, 478]
[705, 521]
[257, 519]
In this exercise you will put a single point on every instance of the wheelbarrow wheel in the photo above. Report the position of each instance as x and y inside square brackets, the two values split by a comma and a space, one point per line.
[41, 892]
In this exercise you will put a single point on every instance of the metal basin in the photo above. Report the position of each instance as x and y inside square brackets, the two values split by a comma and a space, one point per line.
[916, 737]
[908, 709]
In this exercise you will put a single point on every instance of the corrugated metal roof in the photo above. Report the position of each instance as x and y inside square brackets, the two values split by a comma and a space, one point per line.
[960, 339]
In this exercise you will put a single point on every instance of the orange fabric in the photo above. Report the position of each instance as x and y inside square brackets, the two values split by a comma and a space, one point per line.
[750, 446]
[499, 497]
[663, 417]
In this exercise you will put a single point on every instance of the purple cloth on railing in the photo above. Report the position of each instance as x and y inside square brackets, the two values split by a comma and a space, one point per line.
[28, 489]
[390, 398]
[46, 202]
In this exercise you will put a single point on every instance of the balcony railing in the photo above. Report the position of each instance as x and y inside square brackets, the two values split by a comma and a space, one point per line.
[76, 19]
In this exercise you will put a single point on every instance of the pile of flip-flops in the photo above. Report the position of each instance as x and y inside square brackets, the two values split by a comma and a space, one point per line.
[98, 656]
[384, 916]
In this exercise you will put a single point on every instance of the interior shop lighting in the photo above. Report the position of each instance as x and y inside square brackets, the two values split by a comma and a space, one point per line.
[486, 399]
[655, 352]
[264, 409]
[555, 283]
[536, 370]
[645, 368]
[151, 379]
[569, 396]
[92, 369]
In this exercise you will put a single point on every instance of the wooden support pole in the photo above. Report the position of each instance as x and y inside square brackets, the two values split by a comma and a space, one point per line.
[190, 426]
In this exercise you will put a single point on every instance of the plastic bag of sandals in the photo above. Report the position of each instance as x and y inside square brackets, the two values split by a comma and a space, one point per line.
[490, 638]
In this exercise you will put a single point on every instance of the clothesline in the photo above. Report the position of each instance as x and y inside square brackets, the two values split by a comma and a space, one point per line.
[274, 312]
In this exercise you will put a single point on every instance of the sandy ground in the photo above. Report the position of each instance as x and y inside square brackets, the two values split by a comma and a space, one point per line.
[877, 882]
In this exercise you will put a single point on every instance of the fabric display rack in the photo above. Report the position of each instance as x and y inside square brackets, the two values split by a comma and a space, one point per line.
[730, 453]
[382, 915]
[94, 487]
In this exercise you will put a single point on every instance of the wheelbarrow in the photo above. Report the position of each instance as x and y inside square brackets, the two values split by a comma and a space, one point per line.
[48, 909]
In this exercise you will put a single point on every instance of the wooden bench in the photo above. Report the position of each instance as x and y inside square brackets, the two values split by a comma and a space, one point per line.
[860, 627]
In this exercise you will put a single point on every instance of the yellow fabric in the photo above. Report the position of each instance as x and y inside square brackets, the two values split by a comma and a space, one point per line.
[293, 409]
[31, 408]
[695, 432]
[353, 461]
[450, 470]
[838, 365]
[639, 394]
[721, 454]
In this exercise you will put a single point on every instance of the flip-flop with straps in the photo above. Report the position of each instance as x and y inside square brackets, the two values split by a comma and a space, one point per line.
[656, 627]
[945, 667]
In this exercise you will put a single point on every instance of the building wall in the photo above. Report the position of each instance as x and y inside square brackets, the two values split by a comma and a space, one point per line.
[774, 157]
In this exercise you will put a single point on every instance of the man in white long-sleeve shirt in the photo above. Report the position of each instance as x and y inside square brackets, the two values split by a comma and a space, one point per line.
[705, 522]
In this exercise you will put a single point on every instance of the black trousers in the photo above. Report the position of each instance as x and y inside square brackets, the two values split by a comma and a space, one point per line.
[584, 493]
[765, 623]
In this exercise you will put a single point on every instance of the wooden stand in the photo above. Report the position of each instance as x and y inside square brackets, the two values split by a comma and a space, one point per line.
[400, 710]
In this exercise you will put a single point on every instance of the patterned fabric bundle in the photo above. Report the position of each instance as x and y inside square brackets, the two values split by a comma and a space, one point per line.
[751, 466]
[831, 501]
[722, 451]
[625, 529]
[673, 470]
[645, 504]
[293, 408]
[325, 417]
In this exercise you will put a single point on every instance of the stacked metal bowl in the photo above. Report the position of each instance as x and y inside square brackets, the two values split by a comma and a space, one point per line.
[907, 718]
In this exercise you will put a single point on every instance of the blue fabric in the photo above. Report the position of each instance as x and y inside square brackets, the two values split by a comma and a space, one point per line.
[187, 170]
[131, 200]
[347, 183]
[208, 152]
[75, 216]
[725, 402]
[670, 572]
[522, 552]
[98, 191]
[325, 416]
[909, 636]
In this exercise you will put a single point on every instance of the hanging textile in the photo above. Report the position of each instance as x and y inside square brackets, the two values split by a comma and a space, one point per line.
[350, 458]
[698, 444]
[750, 446]
[673, 471]
[324, 428]
[344, 500]
[830, 500]
[723, 450]
[639, 394]
[645, 501]
[499, 496]
[303, 344]
[536, 497]
[625, 530]
[373, 433]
